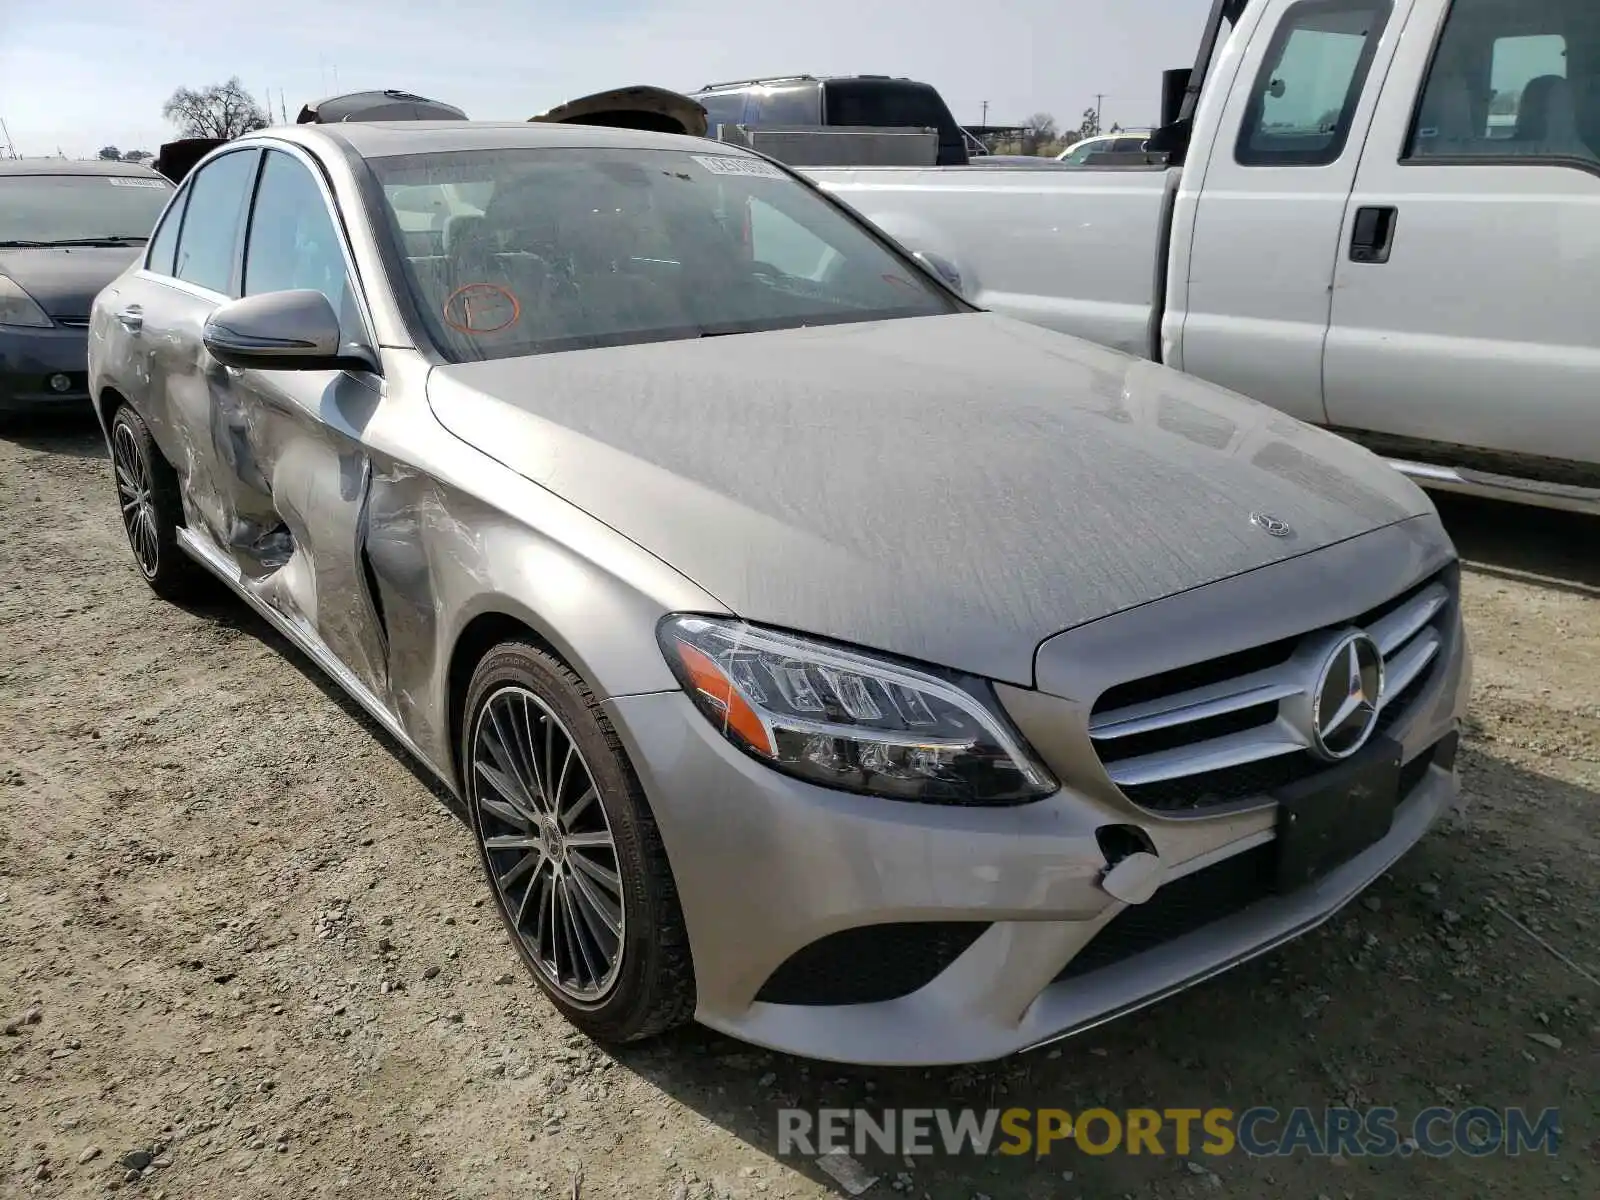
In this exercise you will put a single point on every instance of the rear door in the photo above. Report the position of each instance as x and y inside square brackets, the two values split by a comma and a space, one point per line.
[1266, 222]
[1463, 312]
[191, 268]
[300, 477]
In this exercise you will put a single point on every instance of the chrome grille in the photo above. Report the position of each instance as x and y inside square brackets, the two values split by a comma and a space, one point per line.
[1216, 733]
[73, 322]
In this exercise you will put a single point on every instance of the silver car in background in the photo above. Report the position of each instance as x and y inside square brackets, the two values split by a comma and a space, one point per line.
[797, 673]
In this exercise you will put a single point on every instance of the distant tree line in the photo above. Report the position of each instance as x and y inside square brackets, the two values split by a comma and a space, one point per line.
[1045, 136]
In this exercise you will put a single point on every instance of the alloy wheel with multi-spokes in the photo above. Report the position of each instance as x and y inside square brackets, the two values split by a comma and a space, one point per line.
[136, 496]
[548, 844]
[152, 508]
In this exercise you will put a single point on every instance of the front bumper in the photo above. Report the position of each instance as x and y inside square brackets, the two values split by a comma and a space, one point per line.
[770, 869]
[28, 360]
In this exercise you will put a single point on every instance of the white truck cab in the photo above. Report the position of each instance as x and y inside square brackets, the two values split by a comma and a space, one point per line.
[1381, 216]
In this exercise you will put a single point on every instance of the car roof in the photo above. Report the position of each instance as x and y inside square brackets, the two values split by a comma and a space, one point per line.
[69, 166]
[380, 139]
[735, 85]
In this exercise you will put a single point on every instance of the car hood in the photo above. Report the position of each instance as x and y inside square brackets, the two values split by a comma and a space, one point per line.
[952, 489]
[66, 279]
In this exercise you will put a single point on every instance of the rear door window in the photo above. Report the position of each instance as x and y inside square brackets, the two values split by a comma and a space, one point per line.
[213, 222]
[1304, 99]
[164, 246]
[789, 105]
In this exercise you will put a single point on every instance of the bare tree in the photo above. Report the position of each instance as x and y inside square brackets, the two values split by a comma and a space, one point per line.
[1043, 126]
[1090, 126]
[222, 110]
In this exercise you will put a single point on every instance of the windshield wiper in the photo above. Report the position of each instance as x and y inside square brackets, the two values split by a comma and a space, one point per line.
[108, 239]
[13, 243]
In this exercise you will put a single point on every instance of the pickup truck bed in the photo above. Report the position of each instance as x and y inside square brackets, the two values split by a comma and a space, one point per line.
[1391, 232]
[1076, 250]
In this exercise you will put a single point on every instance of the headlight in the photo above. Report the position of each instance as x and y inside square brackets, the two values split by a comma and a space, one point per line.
[844, 720]
[19, 308]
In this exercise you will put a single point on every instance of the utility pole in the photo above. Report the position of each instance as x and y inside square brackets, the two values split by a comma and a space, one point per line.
[1099, 99]
[985, 121]
[11, 149]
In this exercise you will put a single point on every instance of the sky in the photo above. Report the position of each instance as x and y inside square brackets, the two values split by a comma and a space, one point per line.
[81, 74]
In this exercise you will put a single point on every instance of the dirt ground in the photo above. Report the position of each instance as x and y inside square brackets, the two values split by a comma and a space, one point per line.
[261, 962]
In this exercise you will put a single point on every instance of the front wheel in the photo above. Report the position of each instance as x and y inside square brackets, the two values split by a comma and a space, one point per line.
[152, 513]
[571, 850]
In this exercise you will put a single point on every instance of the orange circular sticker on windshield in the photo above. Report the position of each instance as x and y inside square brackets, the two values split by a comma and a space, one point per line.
[481, 308]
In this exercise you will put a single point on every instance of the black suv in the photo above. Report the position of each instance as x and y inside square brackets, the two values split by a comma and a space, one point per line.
[822, 100]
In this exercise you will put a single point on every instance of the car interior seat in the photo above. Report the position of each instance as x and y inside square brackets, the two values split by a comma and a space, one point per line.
[1547, 119]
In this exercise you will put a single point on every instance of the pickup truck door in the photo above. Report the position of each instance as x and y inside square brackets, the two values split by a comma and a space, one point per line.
[1277, 142]
[1463, 312]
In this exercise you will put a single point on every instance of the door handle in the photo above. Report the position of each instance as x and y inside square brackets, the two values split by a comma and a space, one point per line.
[1372, 238]
[131, 318]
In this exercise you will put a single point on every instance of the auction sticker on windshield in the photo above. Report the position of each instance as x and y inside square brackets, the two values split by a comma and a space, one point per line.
[737, 166]
[124, 181]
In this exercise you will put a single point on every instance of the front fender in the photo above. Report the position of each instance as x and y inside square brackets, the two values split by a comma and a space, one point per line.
[441, 558]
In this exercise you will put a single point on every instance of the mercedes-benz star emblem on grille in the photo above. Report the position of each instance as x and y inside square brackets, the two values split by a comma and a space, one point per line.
[1344, 706]
[1268, 523]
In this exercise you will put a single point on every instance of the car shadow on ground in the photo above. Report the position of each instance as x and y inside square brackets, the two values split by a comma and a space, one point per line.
[219, 606]
[1419, 993]
[73, 435]
[1547, 546]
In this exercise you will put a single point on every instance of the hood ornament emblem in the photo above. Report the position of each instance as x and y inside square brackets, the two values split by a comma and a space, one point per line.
[1270, 524]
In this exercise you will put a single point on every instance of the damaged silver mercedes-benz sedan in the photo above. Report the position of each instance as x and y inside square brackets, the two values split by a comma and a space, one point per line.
[865, 675]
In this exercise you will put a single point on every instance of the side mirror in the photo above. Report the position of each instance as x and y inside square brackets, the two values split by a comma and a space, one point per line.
[943, 268]
[281, 331]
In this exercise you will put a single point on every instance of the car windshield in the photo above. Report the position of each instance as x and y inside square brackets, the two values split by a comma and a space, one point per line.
[55, 210]
[533, 250]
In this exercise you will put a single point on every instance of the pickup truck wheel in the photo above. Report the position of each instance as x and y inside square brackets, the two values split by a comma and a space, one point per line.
[570, 849]
[152, 513]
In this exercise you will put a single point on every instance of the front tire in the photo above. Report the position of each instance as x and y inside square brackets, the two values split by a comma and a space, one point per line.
[570, 849]
[152, 513]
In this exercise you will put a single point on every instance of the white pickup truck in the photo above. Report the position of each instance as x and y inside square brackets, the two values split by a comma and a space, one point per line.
[1381, 216]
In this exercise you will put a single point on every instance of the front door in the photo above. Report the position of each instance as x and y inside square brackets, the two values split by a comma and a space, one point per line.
[1273, 194]
[302, 472]
[1472, 327]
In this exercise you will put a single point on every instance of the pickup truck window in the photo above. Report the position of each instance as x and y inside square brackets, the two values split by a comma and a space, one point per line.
[1305, 96]
[1503, 87]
